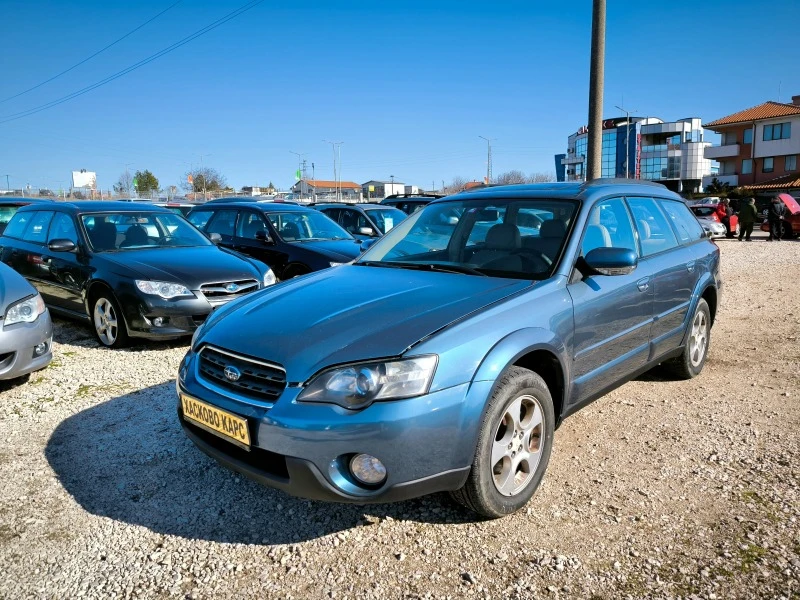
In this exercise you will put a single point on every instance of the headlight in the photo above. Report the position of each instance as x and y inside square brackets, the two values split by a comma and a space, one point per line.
[24, 311]
[358, 385]
[336, 264]
[165, 289]
[269, 278]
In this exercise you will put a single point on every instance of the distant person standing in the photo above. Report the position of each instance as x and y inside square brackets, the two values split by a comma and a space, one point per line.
[724, 212]
[775, 215]
[747, 218]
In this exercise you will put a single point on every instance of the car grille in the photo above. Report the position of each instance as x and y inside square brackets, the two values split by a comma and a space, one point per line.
[257, 380]
[225, 291]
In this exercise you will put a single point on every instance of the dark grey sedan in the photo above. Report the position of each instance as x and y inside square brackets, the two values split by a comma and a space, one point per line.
[26, 332]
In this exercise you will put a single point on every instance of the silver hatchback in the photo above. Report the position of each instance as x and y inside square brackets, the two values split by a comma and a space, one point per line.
[26, 331]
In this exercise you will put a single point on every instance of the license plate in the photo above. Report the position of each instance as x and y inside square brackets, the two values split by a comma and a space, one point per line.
[220, 422]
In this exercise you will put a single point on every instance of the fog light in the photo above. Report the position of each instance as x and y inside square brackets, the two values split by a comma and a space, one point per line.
[40, 349]
[367, 469]
[158, 321]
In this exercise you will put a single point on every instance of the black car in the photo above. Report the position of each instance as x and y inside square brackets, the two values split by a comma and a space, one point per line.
[9, 205]
[363, 221]
[132, 269]
[409, 203]
[293, 240]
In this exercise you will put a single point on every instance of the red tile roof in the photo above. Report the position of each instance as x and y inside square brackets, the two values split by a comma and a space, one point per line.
[785, 182]
[333, 184]
[768, 110]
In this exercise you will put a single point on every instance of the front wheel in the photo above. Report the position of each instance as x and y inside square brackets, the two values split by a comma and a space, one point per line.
[693, 358]
[108, 322]
[513, 448]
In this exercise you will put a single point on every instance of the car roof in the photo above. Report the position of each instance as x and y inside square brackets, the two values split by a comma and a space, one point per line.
[101, 206]
[262, 206]
[364, 205]
[586, 191]
[21, 201]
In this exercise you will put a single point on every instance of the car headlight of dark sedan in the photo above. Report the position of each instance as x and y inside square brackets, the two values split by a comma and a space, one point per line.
[165, 289]
[24, 311]
[360, 384]
[269, 278]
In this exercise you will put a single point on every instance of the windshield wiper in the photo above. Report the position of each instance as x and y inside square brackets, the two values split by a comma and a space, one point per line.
[423, 267]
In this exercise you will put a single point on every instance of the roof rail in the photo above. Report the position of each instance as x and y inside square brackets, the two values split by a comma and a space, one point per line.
[417, 195]
[620, 181]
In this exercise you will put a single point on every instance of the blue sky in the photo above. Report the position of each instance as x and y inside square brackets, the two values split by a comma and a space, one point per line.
[408, 87]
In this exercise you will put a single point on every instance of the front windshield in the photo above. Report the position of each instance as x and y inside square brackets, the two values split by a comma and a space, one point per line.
[386, 218]
[304, 226]
[512, 238]
[112, 231]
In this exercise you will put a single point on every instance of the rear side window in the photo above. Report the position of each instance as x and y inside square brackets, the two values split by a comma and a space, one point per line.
[199, 218]
[63, 228]
[16, 226]
[223, 222]
[683, 220]
[36, 232]
[655, 232]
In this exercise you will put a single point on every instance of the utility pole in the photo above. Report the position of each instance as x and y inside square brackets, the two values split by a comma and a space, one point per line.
[594, 162]
[488, 158]
[314, 179]
[628, 114]
[339, 187]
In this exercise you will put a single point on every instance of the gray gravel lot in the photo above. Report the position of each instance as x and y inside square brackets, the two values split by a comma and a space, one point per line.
[661, 489]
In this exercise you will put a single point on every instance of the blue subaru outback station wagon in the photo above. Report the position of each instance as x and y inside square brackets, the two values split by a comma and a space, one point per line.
[445, 356]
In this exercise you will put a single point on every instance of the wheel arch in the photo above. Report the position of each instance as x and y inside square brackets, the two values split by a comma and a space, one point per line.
[93, 288]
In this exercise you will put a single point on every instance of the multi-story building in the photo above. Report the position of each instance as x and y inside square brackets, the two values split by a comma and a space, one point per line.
[349, 191]
[759, 147]
[671, 153]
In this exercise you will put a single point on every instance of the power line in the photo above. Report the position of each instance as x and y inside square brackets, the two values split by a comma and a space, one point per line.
[131, 32]
[221, 21]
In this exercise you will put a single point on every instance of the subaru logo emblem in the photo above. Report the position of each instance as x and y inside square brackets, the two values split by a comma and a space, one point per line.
[232, 373]
[232, 287]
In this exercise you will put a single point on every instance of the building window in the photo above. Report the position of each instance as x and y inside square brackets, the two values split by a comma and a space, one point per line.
[769, 165]
[729, 138]
[778, 131]
[747, 166]
[748, 136]
[791, 162]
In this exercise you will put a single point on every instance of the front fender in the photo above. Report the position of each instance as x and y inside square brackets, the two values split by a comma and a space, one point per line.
[490, 371]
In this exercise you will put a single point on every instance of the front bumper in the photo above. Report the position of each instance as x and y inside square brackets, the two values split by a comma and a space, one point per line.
[17, 343]
[426, 443]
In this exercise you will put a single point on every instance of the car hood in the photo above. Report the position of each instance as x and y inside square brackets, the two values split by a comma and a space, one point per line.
[190, 266]
[13, 287]
[350, 313]
[791, 204]
[337, 250]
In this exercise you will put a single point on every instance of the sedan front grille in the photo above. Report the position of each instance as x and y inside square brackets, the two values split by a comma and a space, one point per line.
[246, 376]
[225, 291]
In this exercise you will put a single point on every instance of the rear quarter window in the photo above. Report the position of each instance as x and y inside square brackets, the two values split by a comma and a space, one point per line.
[683, 220]
[16, 226]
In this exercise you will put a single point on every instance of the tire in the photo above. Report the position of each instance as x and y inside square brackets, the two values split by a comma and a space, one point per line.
[108, 323]
[693, 358]
[514, 445]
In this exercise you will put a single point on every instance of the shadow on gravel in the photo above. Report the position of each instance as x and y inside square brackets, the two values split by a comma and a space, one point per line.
[79, 333]
[128, 459]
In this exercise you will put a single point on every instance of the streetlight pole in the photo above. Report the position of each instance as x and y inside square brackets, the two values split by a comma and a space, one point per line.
[8, 186]
[203, 175]
[299, 172]
[334, 147]
[628, 114]
[128, 179]
[488, 158]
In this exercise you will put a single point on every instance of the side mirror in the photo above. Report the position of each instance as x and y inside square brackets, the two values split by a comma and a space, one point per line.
[263, 236]
[366, 231]
[611, 261]
[61, 245]
[367, 244]
[215, 237]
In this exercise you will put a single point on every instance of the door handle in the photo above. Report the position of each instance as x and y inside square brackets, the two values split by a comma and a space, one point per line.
[643, 284]
[690, 266]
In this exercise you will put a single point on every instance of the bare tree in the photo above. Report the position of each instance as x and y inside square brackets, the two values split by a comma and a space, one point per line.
[541, 178]
[509, 177]
[124, 184]
[456, 185]
[205, 179]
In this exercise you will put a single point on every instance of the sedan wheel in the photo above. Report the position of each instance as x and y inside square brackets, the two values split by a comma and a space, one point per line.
[513, 448]
[109, 326]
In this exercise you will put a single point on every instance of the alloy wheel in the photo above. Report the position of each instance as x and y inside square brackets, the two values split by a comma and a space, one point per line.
[105, 321]
[698, 339]
[518, 444]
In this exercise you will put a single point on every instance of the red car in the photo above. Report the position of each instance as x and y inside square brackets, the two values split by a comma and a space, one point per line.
[790, 226]
[709, 211]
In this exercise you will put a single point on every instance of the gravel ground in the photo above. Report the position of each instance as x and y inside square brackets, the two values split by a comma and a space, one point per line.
[661, 489]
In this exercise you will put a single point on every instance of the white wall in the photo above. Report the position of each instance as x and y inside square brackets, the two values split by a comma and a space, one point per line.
[777, 147]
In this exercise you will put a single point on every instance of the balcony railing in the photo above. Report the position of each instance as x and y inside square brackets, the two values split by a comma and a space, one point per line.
[727, 151]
